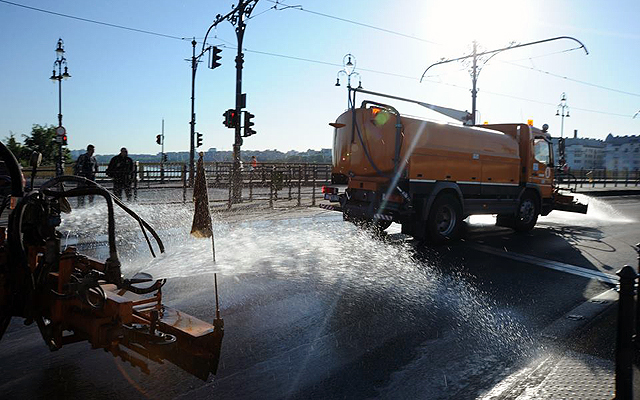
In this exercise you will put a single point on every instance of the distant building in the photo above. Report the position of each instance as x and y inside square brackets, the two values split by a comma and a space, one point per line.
[613, 153]
[581, 153]
[622, 152]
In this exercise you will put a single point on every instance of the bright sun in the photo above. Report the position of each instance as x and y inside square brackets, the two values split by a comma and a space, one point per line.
[456, 23]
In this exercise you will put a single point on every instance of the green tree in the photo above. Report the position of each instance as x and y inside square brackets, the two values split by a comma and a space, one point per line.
[17, 148]
[43, 140]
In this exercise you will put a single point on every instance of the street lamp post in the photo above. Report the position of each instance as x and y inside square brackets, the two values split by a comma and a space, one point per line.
[562, 106]
[59, 75]
[349, 66]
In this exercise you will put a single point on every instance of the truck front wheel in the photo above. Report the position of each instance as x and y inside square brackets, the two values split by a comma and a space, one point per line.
[444, 219]
[527, 214]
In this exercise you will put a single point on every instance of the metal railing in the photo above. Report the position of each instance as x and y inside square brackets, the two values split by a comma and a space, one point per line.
[266, 182]
[628, 333]
[601, 177]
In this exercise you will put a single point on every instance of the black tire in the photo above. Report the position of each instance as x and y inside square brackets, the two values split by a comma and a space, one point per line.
[445, 218]
[527, 212]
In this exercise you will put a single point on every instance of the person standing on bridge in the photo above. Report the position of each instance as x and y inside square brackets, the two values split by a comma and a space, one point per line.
[121, 170]
[86, 167]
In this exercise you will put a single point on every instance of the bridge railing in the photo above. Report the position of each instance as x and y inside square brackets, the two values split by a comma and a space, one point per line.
[584, 177]
[265, 182]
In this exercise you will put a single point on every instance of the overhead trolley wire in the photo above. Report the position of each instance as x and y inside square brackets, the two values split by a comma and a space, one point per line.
[572, 80]
[93, 21]
[276, 2]
[350, 21]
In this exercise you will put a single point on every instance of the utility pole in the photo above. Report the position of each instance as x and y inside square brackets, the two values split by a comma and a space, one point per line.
[237, 17]
[475, 70]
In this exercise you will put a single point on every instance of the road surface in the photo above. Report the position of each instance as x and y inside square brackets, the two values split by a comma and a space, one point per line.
[314, 307]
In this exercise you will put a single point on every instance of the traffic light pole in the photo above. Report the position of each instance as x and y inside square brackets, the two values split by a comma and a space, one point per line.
[194, 66]
[237, 17]
[237, 187]
[162, 155]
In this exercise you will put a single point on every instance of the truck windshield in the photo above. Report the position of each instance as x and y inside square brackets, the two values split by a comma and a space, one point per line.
[541, 151]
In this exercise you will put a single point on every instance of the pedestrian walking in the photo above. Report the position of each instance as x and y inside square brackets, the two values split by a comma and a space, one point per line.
[121, 170]
[86, 166]
[254, 163]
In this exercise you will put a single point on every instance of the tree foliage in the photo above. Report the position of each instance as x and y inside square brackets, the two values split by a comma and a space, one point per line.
[17, 148]
[41, 139]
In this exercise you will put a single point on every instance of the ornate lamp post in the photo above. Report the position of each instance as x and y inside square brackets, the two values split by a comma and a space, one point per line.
[562, 106]
[349, 66]
[59, 75]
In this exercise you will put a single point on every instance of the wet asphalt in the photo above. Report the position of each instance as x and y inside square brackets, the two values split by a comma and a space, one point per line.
[316, 308]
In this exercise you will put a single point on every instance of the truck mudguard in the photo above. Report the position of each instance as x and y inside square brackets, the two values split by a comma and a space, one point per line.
[439, 187]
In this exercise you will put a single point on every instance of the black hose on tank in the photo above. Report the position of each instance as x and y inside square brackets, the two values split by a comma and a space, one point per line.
[398, 139]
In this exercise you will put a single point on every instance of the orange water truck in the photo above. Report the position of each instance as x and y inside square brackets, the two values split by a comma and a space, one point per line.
[429, 176]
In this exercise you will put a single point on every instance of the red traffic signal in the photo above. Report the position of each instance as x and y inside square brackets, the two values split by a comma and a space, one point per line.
[64, 139]
[230, 118]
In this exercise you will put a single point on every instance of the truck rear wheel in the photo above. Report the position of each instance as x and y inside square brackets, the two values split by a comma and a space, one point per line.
[527, 213]
[444, 220]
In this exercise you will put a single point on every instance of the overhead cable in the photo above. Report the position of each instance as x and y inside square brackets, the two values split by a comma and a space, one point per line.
[300, 8]
[93, 21]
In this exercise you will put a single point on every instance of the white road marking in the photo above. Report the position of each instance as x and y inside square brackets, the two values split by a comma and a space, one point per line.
[556, 265]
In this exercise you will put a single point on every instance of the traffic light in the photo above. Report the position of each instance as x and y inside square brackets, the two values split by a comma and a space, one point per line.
[164, 158]
[64, 139]
[230, 119]
[159, 139]
[248, 124]
[214, 57]
[198, 139]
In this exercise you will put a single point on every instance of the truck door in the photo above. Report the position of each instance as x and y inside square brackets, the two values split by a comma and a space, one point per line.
[541, 170]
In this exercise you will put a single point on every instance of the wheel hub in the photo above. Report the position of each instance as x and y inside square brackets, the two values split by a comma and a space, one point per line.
[445, 220]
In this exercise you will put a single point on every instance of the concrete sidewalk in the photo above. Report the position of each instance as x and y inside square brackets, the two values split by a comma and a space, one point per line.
[578, 361]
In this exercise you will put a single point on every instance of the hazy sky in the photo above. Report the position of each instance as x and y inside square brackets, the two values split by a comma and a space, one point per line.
[125, 82]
